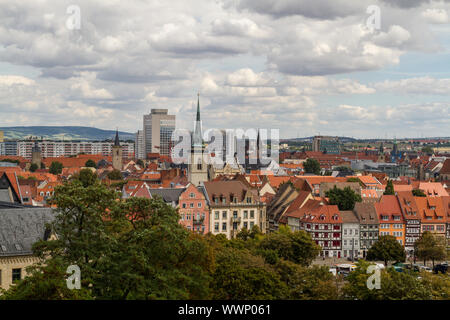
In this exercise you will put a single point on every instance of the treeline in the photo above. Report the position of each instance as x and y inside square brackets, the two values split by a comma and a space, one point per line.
[136, 249]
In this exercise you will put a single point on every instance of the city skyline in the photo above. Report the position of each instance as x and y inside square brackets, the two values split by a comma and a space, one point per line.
[264, 65]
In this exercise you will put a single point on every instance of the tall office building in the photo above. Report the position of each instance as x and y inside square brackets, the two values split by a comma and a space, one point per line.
[140, 148]
[158, 128]
[326, 144]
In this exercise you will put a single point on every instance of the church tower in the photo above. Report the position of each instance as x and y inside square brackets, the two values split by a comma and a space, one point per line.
[36, 155]
[117, 153]
[198, 168]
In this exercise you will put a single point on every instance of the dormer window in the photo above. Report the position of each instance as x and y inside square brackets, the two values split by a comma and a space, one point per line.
[322, 217]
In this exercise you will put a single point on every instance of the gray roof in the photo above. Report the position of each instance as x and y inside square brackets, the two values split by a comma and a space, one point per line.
[349, 217]
[169, 195]
[21, 227]
[366, 212]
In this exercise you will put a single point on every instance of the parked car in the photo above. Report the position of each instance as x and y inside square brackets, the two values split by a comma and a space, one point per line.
[442, 268]
[424, 268]
[333, 271]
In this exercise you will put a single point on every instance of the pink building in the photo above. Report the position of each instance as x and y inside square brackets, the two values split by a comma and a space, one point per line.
[193, 209]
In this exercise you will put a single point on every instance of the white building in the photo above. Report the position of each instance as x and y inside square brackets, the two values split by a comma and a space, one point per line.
[350, 235]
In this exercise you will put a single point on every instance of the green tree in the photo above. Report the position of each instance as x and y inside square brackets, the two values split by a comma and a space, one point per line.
[240, 275]
[393, 285]
[33, 167]
[418, 193]
[115, 175]
[90, 164]
[86, 176]
[297, 246]
[312, 166]
[45, 282]
[389, 188]
[56, 167]
[430, 247]
[427, 150]
[140, 163]
[313, 283]
[386, 249]
[132, 249]
[345, 198]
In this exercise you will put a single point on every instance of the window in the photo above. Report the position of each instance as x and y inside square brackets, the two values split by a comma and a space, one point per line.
[252, 214]
[224, 214]
[224, 226]
[216, 200]
[235, 214]
[191, 195]
[252, 224]
[184, 205]
[245, 214]
[216, 215]
[16, 274]
[191, 205]
[216, 227]
[245, 225]
[199, 205]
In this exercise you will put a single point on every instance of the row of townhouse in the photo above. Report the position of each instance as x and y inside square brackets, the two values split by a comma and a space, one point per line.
[339, 233]
[219, 207]
[352, 233]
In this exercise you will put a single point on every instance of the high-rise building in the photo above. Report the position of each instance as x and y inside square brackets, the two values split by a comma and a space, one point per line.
[158, 128]
[140, 147]
[326, 144]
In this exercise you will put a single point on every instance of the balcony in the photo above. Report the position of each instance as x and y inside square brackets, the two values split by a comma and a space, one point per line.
[197, 221]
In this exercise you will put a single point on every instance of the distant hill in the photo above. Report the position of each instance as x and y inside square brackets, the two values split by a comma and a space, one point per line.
[63, 133]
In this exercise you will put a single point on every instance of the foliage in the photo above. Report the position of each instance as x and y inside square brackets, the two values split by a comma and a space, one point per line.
[418, 193]
[86, 176]
[115, 175]
[427, 150]
[393, 285]
[312, 166]
[33, 167]
[140, 163]
[430, 247]
[297, 246]
[389, 188]
[345, 198]
[386, 249]
[56, 167]
[90, 164]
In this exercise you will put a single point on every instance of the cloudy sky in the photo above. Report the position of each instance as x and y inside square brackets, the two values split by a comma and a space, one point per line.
[305, 67]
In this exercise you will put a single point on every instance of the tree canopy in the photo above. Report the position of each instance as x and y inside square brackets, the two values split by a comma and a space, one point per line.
[386, 249]
[311, 166]
[56, 167]
[345, 198]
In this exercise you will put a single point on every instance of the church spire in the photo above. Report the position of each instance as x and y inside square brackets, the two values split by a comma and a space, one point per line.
[197, 139]
[116, 140]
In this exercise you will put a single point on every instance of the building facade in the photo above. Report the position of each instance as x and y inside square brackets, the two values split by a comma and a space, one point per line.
[234, 206]
[157, 130]
[194, 210]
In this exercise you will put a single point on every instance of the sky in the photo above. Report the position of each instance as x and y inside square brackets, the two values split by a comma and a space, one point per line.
[303, 67]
